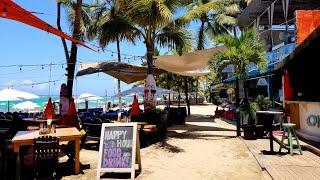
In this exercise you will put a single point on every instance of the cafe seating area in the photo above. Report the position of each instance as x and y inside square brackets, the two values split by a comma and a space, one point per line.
[18, 132]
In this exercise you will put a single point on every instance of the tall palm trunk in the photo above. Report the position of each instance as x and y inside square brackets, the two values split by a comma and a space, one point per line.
[119, 60]
[197, 88]
[237, 105]
[186, 92]
[149, 57]
[59, 27]
[201, 36]
[74, 48]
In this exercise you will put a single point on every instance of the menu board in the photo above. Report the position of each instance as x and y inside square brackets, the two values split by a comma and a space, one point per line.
[119, 148]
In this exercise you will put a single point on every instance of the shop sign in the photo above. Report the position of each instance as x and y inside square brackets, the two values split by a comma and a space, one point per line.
[313, 120]
[262, 82]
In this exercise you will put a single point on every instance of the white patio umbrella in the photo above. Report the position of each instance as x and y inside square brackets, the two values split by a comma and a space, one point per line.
[87, 97]
[139, 91]
[15, 95]
[28, 105]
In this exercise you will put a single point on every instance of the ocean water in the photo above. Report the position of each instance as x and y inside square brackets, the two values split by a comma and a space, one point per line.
[43, 100]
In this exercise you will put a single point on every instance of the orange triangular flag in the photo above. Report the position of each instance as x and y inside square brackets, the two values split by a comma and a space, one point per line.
[135, 110]
[49, 112]
[72, 109]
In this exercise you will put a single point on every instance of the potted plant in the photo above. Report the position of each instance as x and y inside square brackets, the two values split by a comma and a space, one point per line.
[157, 117]
[249, 110]
[263, 104]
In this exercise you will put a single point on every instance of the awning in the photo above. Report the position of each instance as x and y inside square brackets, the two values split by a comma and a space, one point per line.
[10, 10]
[253, 73]
[125, 72]
[188, 64]
[303, 65]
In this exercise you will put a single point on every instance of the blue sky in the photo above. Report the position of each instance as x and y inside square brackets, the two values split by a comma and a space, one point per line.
[22, 44]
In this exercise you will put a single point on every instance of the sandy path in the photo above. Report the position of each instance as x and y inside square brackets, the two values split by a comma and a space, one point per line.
[203, 149]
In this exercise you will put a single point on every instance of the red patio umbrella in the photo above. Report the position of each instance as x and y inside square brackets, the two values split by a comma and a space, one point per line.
[10, 10]
[72, 109]
[135, 110]
[49, 112]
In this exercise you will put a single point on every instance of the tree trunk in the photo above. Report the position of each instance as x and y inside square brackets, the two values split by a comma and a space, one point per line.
[74, 48]
[59, 27]
[237, 105]
[197, 87]
[149, 57]
[186, 92]
[179, 96]
[119, 60]
[199, 47]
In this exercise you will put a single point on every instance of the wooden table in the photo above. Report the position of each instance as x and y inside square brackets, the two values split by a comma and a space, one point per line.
[65, 134]
[36, 120]
[270, 121]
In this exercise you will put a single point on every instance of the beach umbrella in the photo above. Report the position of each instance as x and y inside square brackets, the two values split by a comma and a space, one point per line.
[87, 97]
[26, 105]
[15, 95]
[139, 91]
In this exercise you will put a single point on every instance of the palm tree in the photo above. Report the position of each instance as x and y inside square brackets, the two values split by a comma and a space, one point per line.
[110, 25]
[242, 51]
[156, 22]
[217, 21]
[78, 19]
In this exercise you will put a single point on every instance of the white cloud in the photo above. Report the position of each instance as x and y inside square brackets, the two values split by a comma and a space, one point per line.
[27, 81]
[42, 86]
[10, 83]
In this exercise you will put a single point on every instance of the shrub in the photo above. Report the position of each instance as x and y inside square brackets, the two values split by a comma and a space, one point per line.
[263, 102]
[250, 109]
[157, 117]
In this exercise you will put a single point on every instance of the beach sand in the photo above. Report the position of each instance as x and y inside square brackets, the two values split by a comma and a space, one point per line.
[205, 148]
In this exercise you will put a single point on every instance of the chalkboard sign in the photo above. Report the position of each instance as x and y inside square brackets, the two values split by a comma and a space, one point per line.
[119, 148]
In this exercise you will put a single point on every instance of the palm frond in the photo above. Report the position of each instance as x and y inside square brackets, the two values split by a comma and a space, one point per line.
[177, 39]
[242, 51]
[196, 13]
[201, 39]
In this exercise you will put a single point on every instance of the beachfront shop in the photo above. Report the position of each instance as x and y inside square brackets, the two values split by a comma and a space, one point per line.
[301, 81]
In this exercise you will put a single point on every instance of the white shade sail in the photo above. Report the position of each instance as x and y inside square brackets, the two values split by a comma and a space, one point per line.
[125, 72]
[26, 105]
[188, 64]
[15, 95]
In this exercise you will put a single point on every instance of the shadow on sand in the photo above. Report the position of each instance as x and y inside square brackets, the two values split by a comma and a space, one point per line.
[193, 131]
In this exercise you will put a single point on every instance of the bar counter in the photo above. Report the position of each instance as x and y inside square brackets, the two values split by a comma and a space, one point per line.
[306, 116]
